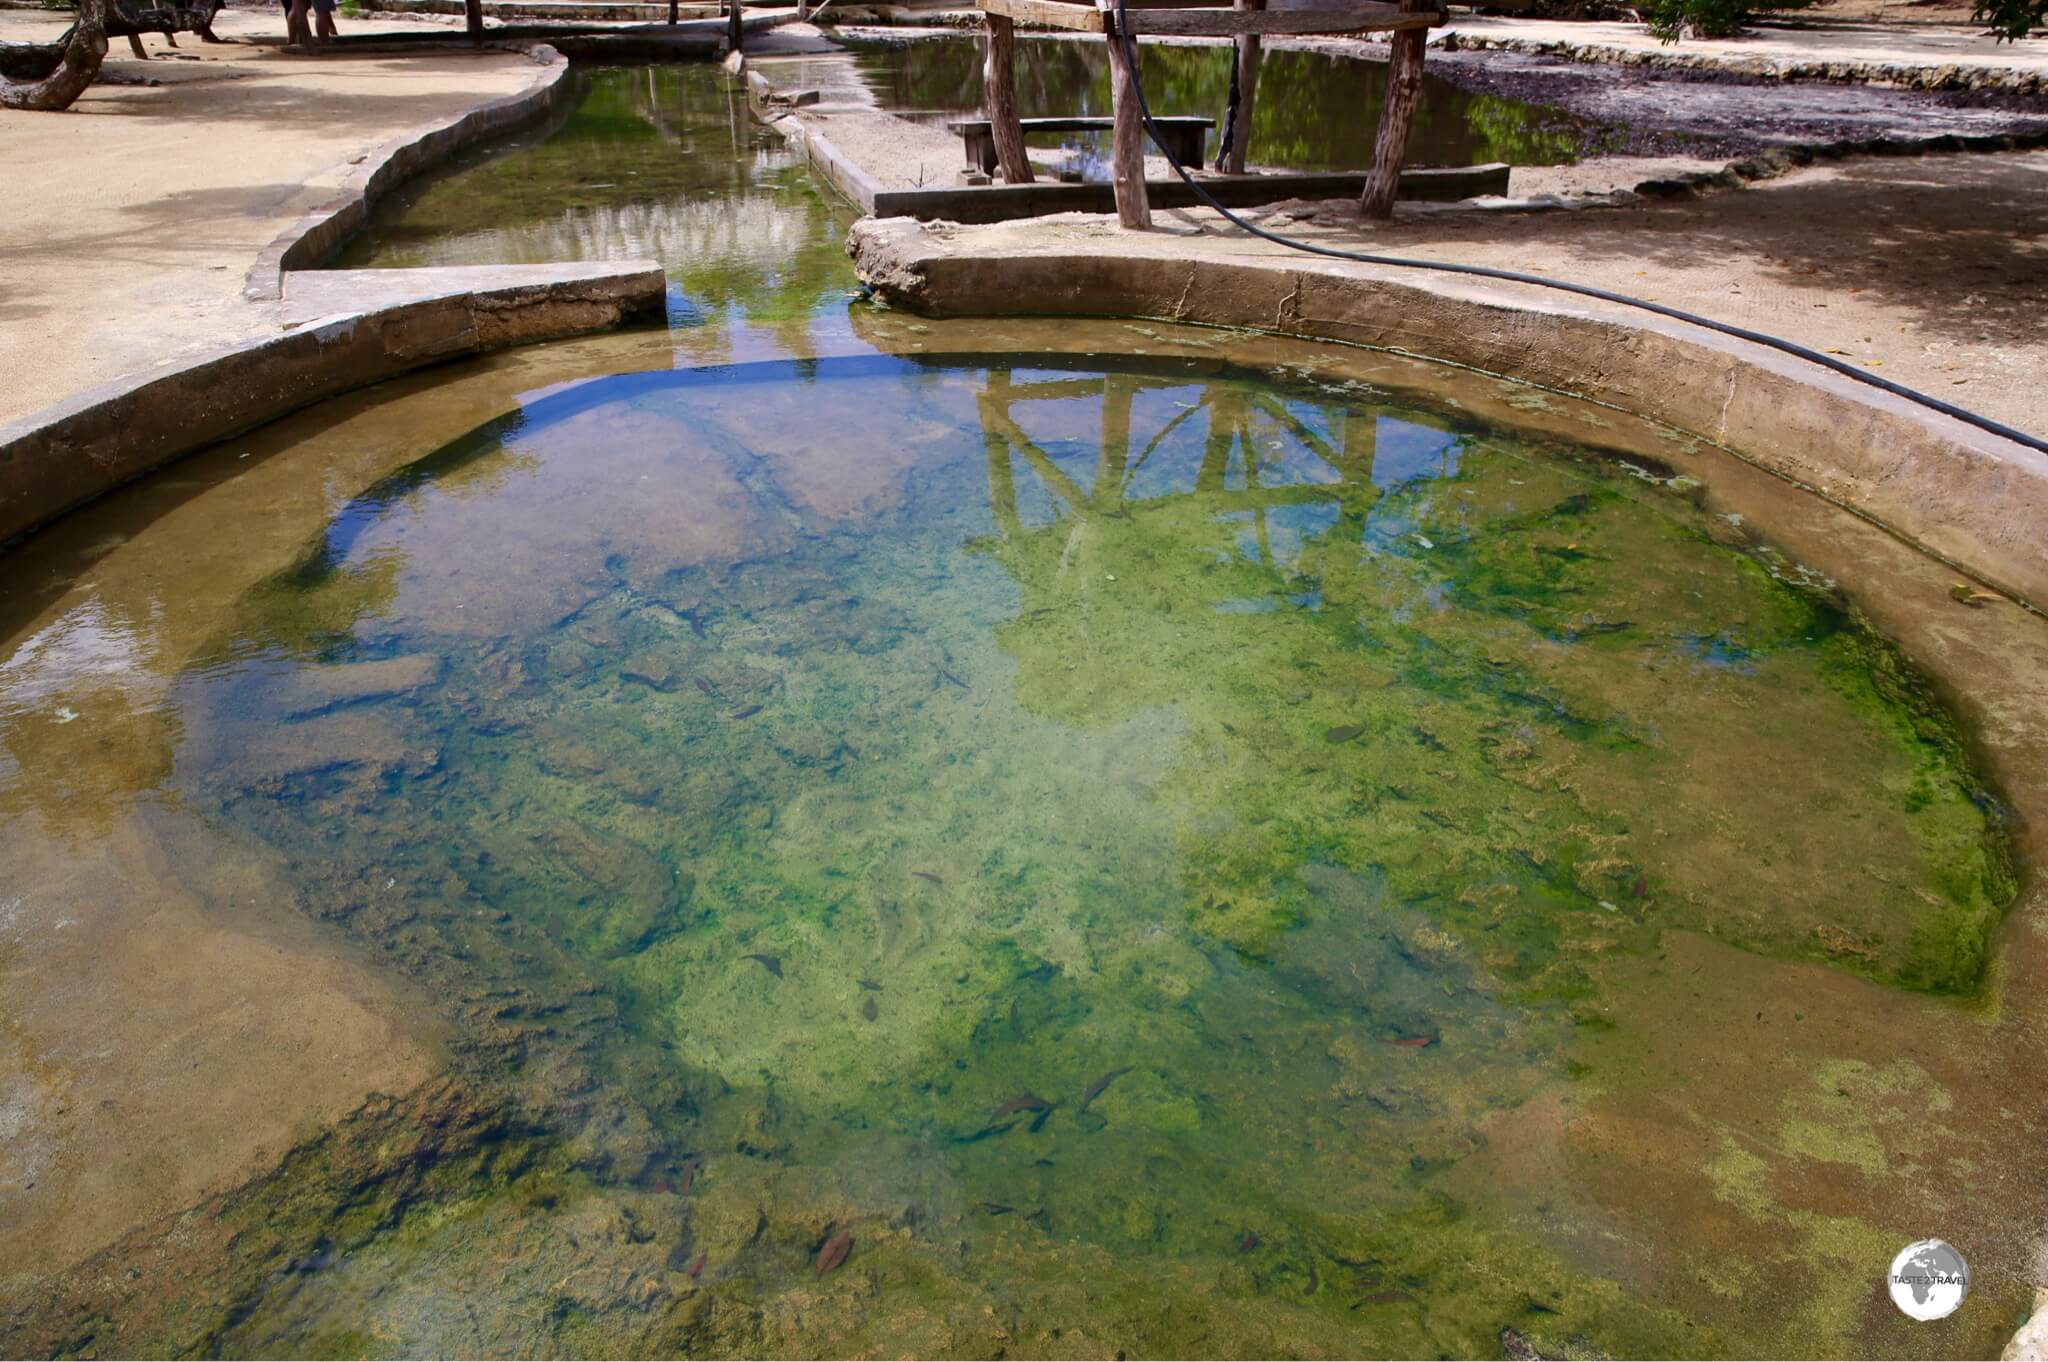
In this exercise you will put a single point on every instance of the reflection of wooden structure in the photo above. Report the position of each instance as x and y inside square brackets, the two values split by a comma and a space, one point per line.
[1226, 409]
[1243, 20]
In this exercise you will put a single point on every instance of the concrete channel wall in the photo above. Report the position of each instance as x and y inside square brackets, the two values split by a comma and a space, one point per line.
[1968, 497]
[342, 330]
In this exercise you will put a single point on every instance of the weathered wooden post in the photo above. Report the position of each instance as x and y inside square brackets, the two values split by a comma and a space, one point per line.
[732, 26]
[472, 19]
[1249, 56]
[1404, 90]
[999, 81]
[672, 14]
[1127, 136]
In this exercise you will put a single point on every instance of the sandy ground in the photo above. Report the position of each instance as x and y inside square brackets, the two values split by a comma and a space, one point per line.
[133, 218]
[1932, 271]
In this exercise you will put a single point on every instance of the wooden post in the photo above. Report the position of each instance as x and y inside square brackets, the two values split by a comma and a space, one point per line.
[732, 26]
[1248, 58]
[999, 84]
[1127, 138]
[1404, 91]
[1113, 458]
[672, 15]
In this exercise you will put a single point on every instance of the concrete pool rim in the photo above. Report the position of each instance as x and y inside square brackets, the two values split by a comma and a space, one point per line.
[1963, 495]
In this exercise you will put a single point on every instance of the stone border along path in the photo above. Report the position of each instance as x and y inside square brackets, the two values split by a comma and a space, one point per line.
[1915, 60]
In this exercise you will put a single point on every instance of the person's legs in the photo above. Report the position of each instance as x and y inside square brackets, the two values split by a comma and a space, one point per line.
[299, 29]
[324, 11]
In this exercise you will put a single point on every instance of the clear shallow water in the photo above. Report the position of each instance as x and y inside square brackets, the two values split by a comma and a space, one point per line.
[1167, 854]
[656, 162]
[1292, 124]
[1078, 813]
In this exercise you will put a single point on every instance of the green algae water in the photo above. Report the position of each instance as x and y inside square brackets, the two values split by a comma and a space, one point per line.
[1094, 845]
[1104, 837]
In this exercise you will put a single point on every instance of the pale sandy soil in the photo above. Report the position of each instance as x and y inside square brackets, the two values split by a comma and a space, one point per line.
[130, 221]
[1932, 271]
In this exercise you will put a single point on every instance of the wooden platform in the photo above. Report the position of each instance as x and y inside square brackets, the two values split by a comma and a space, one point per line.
[1002, 202]
[1245, 22]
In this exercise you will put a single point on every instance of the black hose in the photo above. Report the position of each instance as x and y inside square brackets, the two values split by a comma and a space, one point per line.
[1123, 35]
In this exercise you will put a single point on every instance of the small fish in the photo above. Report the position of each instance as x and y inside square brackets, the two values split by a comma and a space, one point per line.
[1043, 1163]
[869, 1010]
[662, 1186]
[1043, 1117]
[869, 985]
[1095, 1088]
[771, 963]
[1412, 1042]
[1029, 1101]
[1249, 1242]
[996, 1208]
[1970, 596]
[985, 1132]
[1342, 733]
[1642, 884]
[1382, 1298]
[927, 875]
[749, 712]
[696, 1266]
[945, 675]
[688, 1177]
[835, 1251]
[701, 684]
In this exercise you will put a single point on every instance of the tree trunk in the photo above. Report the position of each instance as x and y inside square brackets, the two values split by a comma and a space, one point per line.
[80, 66]
[1127, 158]
[473, 19]
[1248, 59]
[999, 83]
[1404, 91]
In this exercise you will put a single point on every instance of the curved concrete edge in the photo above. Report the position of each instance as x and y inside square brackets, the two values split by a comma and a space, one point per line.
[317, 235]
[66, 455]
[856, 185]
[1971, 499]
[1924, 75]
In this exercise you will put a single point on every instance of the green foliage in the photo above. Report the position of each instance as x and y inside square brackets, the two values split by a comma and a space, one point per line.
[1671, 20]
[2010, 19]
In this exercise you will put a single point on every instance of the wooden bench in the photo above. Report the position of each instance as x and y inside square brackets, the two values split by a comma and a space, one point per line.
[1184, 136]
